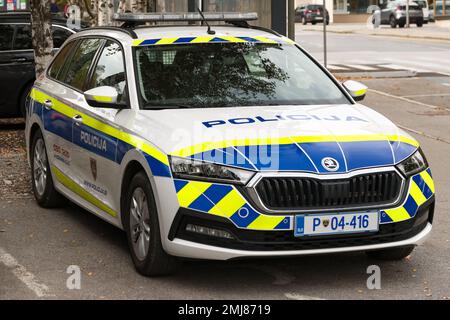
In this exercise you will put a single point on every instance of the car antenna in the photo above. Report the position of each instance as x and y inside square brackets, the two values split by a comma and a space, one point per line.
[212, 32]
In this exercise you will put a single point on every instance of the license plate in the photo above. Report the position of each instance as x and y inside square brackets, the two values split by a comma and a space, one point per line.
[319, 18]
[326, 224]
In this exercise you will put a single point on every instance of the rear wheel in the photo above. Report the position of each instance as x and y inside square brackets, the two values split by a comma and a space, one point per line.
[43, 188]
[393, 22]
[391, 254]
[142, 227]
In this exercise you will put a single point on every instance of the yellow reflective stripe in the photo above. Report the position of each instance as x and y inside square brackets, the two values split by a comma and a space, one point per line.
[137, 42]
[398, 214]
[396, 137]
[416, 193]
[428, 180]
[77, 189]
[202, 39]
[103, 99]
[228, 205]
[264, 222]
[207, 146]
[166, 41]
[191, 191]
[101, 126]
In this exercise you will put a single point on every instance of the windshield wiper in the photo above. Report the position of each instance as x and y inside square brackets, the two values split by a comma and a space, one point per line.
[162, 107]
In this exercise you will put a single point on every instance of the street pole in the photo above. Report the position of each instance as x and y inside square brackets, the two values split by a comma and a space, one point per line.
[291, 20]
[407, 13]
[324, 34]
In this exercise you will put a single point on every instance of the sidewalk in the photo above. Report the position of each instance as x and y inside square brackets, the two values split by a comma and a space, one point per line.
[435, 31]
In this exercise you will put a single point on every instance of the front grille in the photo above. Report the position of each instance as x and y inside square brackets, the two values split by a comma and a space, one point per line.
[305, 193]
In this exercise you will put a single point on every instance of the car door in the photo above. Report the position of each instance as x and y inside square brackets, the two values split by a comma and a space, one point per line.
[57, 125]
[16, 65]
[6, 54]
[95, 161]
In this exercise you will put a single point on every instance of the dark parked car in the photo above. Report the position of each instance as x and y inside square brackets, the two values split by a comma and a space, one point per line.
[310, 13]
[394, 14]
[17, 59]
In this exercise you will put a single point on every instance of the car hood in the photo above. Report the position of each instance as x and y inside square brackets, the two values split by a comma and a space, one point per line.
[319, 139]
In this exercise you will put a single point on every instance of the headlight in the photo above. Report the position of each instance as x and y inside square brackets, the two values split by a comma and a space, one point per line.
[416, 163]
[199, 170]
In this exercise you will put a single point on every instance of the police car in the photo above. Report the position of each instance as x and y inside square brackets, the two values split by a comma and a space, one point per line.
[219, 142]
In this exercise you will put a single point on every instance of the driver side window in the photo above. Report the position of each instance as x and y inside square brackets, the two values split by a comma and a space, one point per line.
[110, 70]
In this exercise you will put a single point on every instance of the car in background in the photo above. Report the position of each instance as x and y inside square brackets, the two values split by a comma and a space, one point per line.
[394, 14]
[312, 13]
[425, 9]
[17, 72]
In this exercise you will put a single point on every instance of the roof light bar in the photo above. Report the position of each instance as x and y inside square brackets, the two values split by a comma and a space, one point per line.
[191, 16]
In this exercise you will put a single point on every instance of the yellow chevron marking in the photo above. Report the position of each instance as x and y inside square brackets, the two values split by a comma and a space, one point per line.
[428, 180]
[228, 205]
[416, 193]
[264, 39]
[76, 188]
[264, 222]
[137, 42]
[191, 191]
[208, 146]
[232, 39]
[101, 126]
[202, 39]
[398, 214]
[166, 41]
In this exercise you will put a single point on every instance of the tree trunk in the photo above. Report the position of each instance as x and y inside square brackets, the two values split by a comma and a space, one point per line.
[105, 11]
[41, 34]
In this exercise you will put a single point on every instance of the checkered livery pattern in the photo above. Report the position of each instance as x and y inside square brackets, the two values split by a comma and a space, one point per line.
[421, 188]
[225, 201]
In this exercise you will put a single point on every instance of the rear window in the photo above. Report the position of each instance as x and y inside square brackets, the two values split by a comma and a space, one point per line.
[6, 37]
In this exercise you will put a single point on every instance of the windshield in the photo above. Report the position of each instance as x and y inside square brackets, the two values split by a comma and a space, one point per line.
[231, 75]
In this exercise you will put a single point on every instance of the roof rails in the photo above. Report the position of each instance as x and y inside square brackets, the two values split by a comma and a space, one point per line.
[132, 19]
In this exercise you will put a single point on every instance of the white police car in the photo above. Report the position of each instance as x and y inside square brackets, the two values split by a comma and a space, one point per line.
[219, 143]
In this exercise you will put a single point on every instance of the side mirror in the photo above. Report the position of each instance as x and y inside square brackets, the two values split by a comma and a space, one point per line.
[102, 97]
[356, 89]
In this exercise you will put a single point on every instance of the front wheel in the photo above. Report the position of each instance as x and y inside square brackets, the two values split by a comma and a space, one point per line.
[143, 233]
[391, 254]
[419, 23]
[393, 22]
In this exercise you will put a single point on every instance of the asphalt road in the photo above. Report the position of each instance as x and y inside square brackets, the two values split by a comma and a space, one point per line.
[37, 245]
[420, 55]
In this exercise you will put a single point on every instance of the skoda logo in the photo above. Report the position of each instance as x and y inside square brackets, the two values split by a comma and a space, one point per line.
[330, 164]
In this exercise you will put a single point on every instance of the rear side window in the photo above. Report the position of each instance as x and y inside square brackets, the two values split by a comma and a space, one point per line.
[110, 70]
[59, 36]
[6, 37]
[80, 63]
[22, 40]
[60, 59]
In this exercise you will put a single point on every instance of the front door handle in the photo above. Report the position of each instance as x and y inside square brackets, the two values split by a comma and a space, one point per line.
[48, 104]
[77, 119]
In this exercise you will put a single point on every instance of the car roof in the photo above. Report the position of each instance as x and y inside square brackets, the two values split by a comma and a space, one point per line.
[25, 17]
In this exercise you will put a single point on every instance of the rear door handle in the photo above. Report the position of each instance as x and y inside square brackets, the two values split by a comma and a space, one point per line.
[77, 119]
[48, 104]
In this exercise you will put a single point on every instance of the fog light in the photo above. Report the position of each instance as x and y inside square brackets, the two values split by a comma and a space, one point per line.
[209, 231]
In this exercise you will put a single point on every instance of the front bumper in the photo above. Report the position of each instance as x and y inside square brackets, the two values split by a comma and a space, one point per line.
[252, 243]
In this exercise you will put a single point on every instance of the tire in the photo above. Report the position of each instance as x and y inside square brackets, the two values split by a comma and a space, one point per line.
[419, 23]
[392, 254]
[149, 257]
[401, 25]
[393, 22]
[23, 99]
[313, 23]
[41, 177]
[304, 22]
